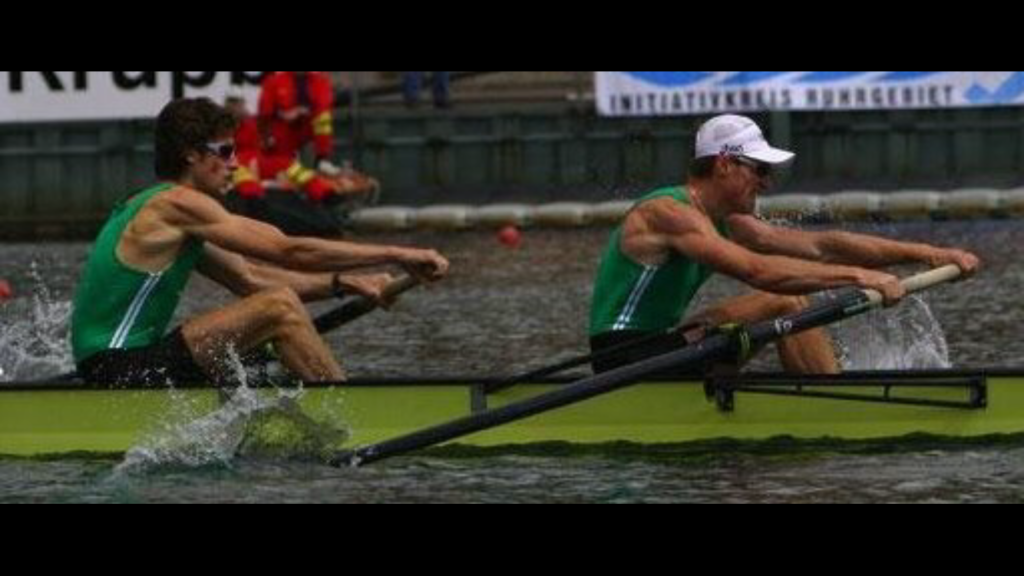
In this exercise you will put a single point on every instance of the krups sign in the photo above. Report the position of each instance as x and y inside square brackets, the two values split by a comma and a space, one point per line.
[58, 96]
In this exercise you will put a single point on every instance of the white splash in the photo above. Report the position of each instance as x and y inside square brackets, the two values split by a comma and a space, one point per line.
[907, 337]
[188, 440]
[248, 421]
[34, 332]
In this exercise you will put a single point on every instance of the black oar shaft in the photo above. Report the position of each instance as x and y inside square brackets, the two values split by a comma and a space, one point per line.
[535, 375]
[709, 350]
[718, 347]
[713, 349]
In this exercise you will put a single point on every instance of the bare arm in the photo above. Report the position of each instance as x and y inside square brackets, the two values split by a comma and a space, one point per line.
[839, 247]
[245, 278]
[688, 232]
[203, 217]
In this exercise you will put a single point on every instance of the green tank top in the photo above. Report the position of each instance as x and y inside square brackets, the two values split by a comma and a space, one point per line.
[629, 296]
[118, 308]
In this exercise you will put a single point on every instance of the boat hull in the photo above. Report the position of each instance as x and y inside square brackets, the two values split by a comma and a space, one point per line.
[48, 421]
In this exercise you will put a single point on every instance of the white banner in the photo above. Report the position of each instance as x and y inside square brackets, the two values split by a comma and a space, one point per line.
[68, 96]
[681, 93]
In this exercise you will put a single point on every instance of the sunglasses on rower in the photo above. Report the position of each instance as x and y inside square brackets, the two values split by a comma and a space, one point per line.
[762, 169]
[223, 150]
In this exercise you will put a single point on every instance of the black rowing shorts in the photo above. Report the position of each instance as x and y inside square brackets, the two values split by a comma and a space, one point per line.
[167, 363]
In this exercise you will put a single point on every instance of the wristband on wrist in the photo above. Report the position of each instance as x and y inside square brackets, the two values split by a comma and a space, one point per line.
[337, 290]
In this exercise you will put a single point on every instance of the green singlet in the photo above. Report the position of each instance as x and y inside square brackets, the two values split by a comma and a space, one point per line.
[117, 307]
[631, 297]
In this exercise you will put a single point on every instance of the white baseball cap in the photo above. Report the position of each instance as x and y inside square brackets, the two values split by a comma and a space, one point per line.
[738, 136]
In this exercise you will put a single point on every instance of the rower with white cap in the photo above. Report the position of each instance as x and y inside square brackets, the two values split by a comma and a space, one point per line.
[675, 239]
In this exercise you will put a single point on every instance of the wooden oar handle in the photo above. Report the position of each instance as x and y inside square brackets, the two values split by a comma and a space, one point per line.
[922, 282]
[932, 278]
[401, 286]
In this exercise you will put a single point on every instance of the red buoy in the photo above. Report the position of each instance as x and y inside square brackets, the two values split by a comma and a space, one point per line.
[510, 237]
[6, 292]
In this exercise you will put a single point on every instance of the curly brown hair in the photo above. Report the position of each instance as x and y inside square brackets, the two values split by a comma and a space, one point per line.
[184, 126]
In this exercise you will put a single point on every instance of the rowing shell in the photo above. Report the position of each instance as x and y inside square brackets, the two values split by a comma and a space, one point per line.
[58, 420]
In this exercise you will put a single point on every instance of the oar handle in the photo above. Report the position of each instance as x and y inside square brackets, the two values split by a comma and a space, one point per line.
[401, 286]
[933, 278]
[351, 311]
[921, 282]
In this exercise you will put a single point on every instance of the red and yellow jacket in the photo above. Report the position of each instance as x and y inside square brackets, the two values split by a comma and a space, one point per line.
[286, 91]
[248, 180]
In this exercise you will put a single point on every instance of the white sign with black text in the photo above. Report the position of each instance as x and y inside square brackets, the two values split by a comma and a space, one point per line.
[70, 96]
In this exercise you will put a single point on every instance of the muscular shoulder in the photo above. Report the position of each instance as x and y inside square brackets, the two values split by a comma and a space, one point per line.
[154, 236]
[667, 216]
[652, 228]
[182, 206]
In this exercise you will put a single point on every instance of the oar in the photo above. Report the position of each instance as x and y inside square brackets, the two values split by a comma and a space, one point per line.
[356, 309]
[718, 347]
[494, 387]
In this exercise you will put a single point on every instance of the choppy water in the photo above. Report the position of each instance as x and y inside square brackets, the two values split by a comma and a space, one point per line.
[504, 312]
[968, 475]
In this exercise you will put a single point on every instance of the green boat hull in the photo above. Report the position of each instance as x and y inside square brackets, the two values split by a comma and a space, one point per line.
[56, 421]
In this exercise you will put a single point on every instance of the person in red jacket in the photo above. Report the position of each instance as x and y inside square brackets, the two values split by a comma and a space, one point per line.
[259, 169]
[296, 108]
[258, 163]
[248, 177]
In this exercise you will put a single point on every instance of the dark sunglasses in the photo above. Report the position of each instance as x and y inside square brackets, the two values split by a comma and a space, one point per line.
[225, 150]
[762, 169]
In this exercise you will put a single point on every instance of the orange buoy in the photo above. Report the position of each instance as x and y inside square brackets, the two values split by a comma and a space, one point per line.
[510, 237]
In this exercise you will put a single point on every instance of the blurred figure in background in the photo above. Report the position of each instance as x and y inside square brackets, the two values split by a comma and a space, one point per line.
[440, 82]
[248, 182]
[295, 109]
